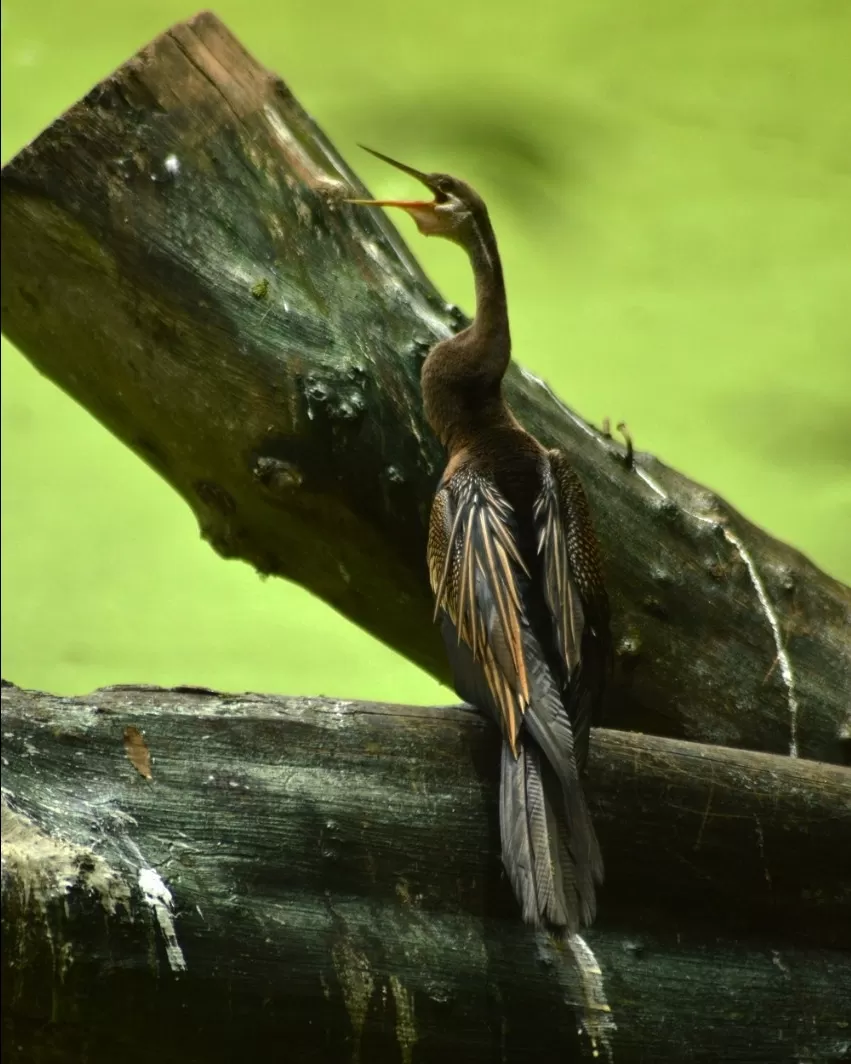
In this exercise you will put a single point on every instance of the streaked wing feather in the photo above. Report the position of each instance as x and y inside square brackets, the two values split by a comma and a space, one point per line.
[475, 568]
[574, 593]
[560, 591]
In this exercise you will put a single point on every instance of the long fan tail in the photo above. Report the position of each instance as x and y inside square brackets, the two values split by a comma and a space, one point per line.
[549, 726]
[553, 889]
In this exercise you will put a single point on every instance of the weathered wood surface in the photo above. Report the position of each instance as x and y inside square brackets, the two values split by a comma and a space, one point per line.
[337, 893]
[175, 256]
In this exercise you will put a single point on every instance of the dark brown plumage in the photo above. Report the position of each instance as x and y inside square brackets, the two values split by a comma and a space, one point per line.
[519, 593]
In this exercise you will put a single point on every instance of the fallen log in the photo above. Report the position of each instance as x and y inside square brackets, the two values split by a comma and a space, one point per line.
[193, 876]
[176, 256]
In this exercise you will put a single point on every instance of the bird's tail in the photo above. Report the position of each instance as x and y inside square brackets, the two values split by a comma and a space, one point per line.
[554, 885]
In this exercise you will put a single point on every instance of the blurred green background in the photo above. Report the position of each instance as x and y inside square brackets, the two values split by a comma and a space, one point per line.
[671, 185]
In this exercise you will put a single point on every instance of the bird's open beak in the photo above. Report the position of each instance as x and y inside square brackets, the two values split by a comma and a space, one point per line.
[414, 207]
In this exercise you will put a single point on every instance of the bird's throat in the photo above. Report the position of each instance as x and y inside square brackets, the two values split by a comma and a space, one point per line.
[462, 377]
[490, 325]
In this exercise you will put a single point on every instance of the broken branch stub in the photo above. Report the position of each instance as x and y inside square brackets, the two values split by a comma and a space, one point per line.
[176, 255]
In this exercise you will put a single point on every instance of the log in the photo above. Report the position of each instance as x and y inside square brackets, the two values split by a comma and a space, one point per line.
[176, 257]
[194, 876]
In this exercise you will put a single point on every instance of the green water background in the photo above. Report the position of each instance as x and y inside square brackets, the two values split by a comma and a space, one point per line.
[671, 185]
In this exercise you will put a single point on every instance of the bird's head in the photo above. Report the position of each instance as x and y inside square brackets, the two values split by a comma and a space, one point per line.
[452, 213]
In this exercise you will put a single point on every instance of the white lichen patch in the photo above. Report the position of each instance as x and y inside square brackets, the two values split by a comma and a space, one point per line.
[42, 871]
[45, 869]
[158, 898]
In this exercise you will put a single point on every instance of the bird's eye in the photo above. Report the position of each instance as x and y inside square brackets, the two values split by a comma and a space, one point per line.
[441, 190]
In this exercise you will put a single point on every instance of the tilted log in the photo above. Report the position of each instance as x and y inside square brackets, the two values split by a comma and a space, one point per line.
[176, 256]
[190, 876]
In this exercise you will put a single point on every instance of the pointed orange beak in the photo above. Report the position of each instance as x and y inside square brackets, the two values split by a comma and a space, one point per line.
[407, 205]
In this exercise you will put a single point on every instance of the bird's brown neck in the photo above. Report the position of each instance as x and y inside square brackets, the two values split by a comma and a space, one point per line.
[462, 377]
[490, 325]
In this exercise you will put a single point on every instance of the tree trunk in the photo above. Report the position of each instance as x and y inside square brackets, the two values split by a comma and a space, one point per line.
[176, 256]
[192, 876]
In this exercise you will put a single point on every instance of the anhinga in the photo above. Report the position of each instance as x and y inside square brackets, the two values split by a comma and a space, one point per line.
[515, 570]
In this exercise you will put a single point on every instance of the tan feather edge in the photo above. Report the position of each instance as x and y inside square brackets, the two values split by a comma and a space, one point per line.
[551, 542]
[500, 552]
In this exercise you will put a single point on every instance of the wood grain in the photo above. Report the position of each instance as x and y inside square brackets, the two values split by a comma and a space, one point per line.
[176, 256]
[336, 891]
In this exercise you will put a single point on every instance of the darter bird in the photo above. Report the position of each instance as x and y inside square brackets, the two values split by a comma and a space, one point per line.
[516, 574]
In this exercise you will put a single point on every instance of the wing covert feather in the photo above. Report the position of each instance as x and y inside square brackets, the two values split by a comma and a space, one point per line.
[574, 592]
[476, 572]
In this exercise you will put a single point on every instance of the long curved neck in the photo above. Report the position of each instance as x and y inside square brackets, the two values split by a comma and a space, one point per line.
[489, 331]
[462, 376]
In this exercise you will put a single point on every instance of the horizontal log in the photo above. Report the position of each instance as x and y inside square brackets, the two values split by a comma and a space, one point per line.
[176, 256]
[195, 876]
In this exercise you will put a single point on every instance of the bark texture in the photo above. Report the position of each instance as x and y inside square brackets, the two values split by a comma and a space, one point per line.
[176, 256]
[190, 876]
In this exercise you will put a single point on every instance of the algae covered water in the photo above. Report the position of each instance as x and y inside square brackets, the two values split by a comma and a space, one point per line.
[671, 188]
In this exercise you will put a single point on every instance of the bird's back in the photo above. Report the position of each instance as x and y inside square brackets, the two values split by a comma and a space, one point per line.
[513, 460]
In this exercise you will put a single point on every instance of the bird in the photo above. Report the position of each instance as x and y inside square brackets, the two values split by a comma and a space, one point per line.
[517, 577]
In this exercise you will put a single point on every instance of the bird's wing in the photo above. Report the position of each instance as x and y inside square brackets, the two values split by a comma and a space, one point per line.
[477, 575]
[482, 588]
[574, 592]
